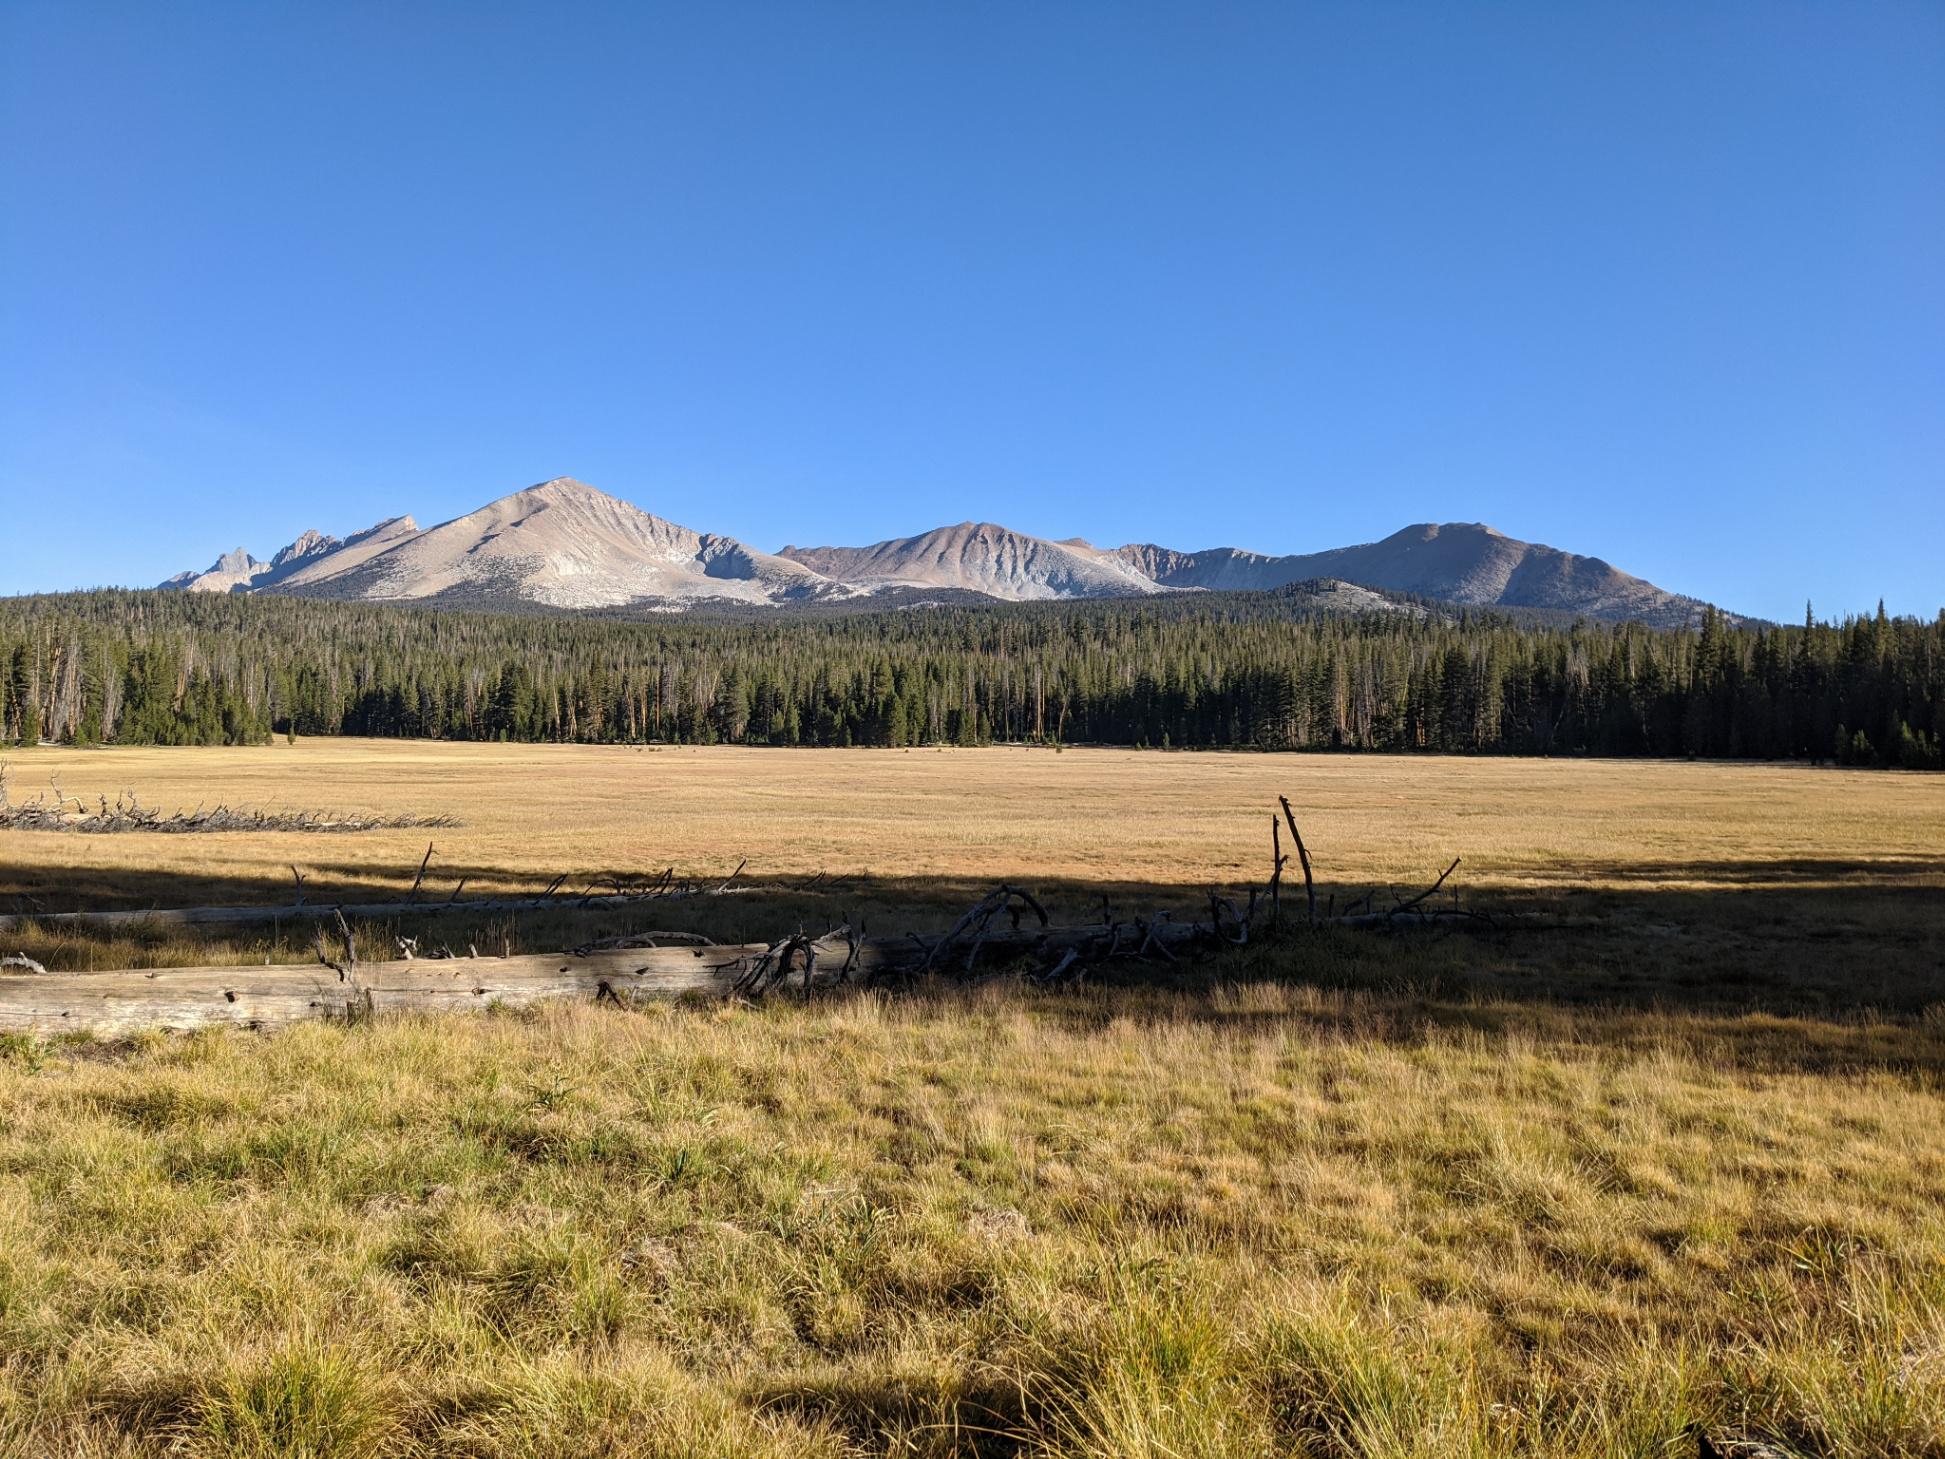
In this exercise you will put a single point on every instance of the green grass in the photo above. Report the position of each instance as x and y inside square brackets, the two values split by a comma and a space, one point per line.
[1242, 1221]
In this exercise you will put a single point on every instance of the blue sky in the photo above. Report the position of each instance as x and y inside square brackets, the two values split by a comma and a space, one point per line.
[1664, 283]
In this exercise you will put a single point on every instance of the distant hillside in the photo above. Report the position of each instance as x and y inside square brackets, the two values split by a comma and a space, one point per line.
[1465, 563]
[1329, 595]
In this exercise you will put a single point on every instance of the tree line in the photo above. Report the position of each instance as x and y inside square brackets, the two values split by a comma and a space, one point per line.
[1260, 671]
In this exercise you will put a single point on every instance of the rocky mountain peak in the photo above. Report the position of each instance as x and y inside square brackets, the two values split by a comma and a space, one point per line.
[563, 543]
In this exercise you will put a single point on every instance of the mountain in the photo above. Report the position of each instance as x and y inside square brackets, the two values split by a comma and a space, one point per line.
[339, 557]
[1457, 562]
[563, 544]
[982, 558]
[1216, 569]
[239, 569]
[236, 569]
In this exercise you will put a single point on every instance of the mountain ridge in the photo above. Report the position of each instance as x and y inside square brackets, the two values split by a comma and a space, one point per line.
[560, 544]
[981, 557]
[1467, 563]
[564, 544]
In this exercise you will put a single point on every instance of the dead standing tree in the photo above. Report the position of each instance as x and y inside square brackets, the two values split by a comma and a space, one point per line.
[1404, 911]
[1303, 856]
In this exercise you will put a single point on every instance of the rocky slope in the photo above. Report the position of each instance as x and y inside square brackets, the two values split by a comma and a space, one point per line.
[982, 558]
[355, 550]
[564, 544]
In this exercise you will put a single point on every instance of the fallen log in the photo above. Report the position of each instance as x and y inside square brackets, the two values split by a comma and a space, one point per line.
[120, 1003]
[623, 969]
[115, 1004]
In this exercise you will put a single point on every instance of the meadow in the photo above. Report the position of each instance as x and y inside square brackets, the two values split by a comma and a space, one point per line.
[1671, 1163]
[1718, 873]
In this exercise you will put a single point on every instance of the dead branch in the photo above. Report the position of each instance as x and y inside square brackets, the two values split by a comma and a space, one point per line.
[771, 968]
[1151, 940]
[1277, 862]
[1058, 973]
[55, 810]
[1239, 921]
[419, 880]
[1403, 907]
[1303, 856]
[350, 943]
[978, 921]
[326, 959]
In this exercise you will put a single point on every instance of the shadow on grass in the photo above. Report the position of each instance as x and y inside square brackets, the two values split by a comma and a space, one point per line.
[1771, 972]
[1768, 873]
[910, 1413]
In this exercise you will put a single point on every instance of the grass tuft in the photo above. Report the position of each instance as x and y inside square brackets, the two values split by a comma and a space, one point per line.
[302, 1400]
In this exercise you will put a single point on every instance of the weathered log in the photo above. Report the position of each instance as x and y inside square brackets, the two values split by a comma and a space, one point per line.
[120, 1003]
[111, 1004]
[644, 939]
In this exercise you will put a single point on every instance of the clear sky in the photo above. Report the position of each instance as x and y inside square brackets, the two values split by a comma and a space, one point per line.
[1661, 282]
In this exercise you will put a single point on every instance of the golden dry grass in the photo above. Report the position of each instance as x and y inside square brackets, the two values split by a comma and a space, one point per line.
[1574, 1192]
[1267, 1221]
[1742, 879]
[1119, 816]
